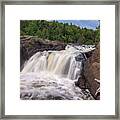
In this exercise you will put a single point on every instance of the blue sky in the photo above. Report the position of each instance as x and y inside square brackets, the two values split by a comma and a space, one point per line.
[90, 24]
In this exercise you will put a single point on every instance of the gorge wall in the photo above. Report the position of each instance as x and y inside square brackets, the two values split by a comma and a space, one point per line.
[90, 77]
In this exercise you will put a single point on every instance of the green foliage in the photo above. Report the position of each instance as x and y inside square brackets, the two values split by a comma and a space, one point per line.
[63, 32]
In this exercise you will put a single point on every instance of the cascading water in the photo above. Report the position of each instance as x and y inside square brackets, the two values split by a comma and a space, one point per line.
[51, 74]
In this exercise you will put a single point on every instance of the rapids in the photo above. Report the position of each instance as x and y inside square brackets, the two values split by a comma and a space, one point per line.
[51, 75]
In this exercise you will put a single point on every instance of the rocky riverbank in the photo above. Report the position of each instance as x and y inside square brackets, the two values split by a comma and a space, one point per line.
[90, 77]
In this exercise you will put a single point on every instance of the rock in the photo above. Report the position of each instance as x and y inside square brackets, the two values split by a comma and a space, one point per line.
[80, 57]
[81, 82]
[89, 54]
[90, 77]
[92, 71]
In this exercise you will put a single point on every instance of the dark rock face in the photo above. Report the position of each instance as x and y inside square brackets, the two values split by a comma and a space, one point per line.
[90, 77]
[89, 54]
[30, 45]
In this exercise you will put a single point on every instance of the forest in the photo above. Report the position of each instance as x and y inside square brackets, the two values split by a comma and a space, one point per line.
[63, 32]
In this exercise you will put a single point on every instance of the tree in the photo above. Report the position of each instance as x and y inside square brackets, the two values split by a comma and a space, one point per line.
[64, 32]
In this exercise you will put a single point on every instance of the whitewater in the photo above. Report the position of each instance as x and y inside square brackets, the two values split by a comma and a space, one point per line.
[51, 75]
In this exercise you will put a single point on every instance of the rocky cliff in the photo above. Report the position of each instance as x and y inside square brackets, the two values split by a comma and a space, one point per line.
[90, 77]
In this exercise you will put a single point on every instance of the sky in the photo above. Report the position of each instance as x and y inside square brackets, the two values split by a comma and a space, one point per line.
[90, 24]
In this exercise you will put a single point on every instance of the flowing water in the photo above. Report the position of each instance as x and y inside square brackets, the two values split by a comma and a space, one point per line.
[51, 75]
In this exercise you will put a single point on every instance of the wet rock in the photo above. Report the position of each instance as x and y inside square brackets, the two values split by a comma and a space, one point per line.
[80, 57]
[89, 54]
[81, 83]
[92, 71]
[90, 77]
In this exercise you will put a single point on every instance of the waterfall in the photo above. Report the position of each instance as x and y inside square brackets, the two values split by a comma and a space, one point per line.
[50, 75]
[62, 63]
